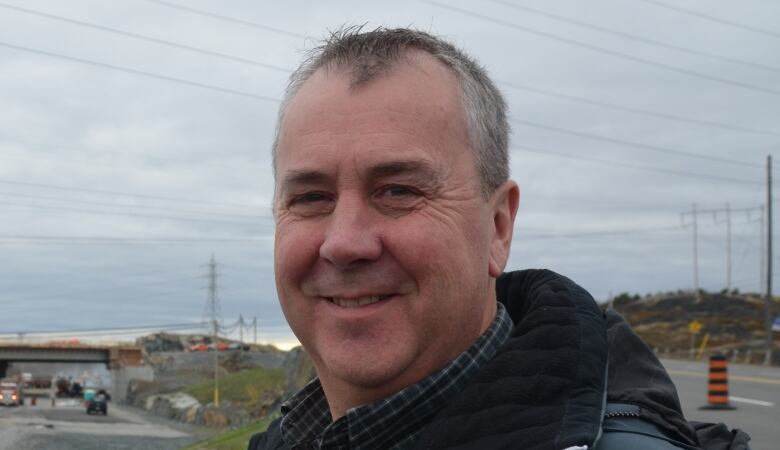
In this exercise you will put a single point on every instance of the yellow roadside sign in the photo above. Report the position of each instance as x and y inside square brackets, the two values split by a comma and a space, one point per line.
[695, 327]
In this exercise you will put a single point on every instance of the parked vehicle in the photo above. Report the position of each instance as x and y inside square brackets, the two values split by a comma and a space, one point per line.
[198, 348]
[11, 393]
[98, 403]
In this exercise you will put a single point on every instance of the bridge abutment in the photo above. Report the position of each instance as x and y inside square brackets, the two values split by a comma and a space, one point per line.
[121, 376]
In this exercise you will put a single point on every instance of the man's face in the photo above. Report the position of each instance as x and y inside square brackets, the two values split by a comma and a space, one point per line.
[383, 240]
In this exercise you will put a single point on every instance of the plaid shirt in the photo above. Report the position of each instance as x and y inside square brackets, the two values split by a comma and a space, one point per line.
[392, 423]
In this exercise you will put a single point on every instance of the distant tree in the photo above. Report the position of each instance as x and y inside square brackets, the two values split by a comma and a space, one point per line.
[735, 291]
[624, 298]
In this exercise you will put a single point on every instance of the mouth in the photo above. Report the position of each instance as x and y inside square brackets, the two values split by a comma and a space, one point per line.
[357, 302]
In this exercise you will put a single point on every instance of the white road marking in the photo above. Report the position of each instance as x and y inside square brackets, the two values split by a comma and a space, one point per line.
[751, 401]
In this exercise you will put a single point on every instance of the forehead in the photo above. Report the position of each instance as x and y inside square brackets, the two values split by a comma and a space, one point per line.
[414, 109]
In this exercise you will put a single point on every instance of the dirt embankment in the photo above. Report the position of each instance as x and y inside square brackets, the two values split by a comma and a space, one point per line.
[734, 323]
[253, 383]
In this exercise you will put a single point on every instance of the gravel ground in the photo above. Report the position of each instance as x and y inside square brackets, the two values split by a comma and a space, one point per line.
[77, 441]
[69, 428]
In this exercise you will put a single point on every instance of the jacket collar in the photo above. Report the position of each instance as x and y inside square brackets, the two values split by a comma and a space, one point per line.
[545, 388]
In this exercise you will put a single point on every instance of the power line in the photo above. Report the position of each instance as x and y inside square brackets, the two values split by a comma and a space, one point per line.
[633, 166]
[111, 288]
[588, 234]
[140, 72]
[654, 148]
[122, 205]
[244, 60]
[124, 194]
[547, 92]
[606, 51]
[557, 94]
[637, 110]
[636, 38]
[512, 85]
[129, 214]
[108, 330]
[90, 281]
[715, 19]
[127, 240]
[228, 19]
[146, 38]
[31, 149]
[102, 306]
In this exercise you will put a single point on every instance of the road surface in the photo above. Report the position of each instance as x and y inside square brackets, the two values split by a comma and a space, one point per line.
[754, 390]
[67, 426]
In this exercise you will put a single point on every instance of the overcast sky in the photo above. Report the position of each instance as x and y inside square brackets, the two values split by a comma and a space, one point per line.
[135, 136]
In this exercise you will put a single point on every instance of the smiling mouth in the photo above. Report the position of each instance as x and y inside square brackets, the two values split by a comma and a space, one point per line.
[357, 302]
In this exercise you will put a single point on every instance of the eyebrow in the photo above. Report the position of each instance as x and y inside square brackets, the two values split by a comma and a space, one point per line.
[418, 168]
[304, 177]
[393, 168]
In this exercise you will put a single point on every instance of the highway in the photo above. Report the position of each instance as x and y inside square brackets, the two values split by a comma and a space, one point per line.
[754, 390]
[67, 426]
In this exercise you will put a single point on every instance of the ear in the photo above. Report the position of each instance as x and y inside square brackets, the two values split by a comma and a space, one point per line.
[504, 203]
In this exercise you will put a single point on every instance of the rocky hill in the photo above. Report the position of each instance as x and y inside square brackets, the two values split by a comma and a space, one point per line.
[254, 380]
[733, 322]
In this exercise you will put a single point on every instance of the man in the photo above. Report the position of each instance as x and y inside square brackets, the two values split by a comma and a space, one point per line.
[394, 218]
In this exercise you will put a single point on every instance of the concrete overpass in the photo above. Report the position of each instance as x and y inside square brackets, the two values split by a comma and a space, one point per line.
[124, 363]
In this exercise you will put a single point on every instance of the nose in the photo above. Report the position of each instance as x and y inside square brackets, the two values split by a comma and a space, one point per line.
[350, 240]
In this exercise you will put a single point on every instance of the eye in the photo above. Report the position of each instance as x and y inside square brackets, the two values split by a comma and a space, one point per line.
[310, 203]
[397, 198]
[309, 197]
[397, 191]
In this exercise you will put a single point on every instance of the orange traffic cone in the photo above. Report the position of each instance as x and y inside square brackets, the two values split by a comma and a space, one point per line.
[718, 384]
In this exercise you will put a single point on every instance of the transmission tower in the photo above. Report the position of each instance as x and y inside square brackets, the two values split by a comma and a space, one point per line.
[213, 309]
[716, 213]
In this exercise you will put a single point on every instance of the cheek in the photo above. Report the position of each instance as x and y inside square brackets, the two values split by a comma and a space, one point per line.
[296, 249]
[442, 243]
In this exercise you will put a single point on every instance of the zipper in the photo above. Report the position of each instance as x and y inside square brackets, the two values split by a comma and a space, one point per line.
[610, 415]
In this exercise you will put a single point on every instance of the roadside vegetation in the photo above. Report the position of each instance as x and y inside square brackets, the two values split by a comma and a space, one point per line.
[237, 439]
[242, 388]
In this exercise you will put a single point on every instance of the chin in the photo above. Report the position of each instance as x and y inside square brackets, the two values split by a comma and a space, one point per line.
[367, 368]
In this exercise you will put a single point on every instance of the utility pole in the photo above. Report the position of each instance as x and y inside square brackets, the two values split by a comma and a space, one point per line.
[254, 325]
[241, 332]
[694, 213]
[762, 251]
[695, 222]
[695, 250]
[728, 247]
[213, 306]
[769, 308]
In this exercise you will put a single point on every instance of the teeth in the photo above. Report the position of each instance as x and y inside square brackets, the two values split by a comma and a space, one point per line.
[355, 302]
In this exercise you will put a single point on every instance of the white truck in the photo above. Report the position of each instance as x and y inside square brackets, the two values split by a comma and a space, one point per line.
[11, 393]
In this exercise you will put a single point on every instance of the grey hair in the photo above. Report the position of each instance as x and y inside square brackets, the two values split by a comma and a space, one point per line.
[369, 54]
